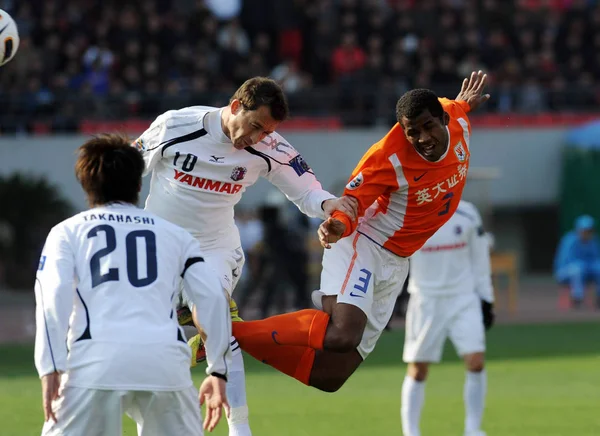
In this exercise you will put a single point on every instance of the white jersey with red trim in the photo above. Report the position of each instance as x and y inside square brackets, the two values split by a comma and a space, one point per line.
[455, 260]
[198, 176]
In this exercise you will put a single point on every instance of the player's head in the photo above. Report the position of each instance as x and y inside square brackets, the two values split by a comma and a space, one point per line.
[424, 122]
[256, 110]
[585, 227]
[109, 170]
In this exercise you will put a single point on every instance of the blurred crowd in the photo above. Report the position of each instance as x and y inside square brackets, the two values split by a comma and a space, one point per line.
[352, 58]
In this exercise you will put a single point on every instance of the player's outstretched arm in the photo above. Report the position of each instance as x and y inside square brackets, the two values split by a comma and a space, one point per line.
[472, 89]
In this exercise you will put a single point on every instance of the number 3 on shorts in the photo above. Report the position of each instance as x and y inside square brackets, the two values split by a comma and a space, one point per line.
[363, 284]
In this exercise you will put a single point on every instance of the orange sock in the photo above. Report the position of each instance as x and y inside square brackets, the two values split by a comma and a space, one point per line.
[304, 328]
[286, 342]
[297, 362]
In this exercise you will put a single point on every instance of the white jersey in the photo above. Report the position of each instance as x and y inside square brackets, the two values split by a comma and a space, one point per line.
[455, 260]
[106, 290]
[198, 176]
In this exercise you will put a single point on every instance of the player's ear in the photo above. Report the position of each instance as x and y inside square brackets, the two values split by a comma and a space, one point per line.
[445, 119]
[236, 106]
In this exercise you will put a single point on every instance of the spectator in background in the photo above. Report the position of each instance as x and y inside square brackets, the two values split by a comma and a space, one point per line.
[348, 57]
[288, 76]
[577, 260]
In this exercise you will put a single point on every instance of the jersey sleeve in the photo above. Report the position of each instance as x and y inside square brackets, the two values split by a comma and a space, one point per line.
[54, 293]
[450, 105]
[204, 289]
[293, 177]
[373, 176]
[480, 259]
[149, 143]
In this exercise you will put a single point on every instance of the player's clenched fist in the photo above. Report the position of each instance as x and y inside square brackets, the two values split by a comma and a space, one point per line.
[330, 231]
[345, 204]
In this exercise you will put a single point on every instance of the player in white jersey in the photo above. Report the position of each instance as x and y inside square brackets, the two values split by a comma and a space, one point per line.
[451, 295]
[202, 160]
[107, 281]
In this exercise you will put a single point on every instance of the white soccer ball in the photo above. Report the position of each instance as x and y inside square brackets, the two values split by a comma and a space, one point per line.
[9, 37]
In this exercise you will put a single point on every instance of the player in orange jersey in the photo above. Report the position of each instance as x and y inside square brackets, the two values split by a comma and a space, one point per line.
[407, 186]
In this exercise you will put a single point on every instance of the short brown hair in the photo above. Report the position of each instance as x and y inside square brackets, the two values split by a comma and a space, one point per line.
[262, 91]
[109, 170]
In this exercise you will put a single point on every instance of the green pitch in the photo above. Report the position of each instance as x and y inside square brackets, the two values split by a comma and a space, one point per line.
[543, 380]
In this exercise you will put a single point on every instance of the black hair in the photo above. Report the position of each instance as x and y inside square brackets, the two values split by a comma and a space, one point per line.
[413, 103]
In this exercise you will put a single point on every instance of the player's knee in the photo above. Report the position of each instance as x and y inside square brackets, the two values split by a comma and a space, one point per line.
[418, 371]
[329, 384]
[475, 362]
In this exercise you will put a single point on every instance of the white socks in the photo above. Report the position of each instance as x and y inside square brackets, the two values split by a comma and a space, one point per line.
[236, 393]
[413, 396]
[474, 396]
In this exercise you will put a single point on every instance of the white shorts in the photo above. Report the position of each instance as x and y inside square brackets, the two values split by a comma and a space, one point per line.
[430, 320]
[94, 412]
[362, 273]
[228, 264]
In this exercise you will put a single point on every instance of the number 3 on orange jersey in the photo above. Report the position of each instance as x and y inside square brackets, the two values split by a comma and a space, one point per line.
[448, 197]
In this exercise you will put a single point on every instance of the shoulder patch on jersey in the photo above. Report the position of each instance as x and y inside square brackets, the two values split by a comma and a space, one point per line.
[42, 263]
[140, 144]
[238, 173]
[355, 182]
[459, 150]
[299, 165]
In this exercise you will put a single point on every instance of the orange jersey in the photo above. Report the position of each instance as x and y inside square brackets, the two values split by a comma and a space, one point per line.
[404, 198]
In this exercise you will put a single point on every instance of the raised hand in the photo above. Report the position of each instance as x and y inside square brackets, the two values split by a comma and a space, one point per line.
[472, 90]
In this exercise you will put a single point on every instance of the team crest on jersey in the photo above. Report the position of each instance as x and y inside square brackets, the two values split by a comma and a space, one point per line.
[458, 230]
[139, 144]
[355, 182]
[238, 173]
[460, 152]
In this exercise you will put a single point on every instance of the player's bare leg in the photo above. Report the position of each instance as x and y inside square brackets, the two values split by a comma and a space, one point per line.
[474, 393]
[339, 358]
[413, 396]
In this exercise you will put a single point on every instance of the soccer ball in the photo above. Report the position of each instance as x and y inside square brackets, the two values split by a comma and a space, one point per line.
[9, 37]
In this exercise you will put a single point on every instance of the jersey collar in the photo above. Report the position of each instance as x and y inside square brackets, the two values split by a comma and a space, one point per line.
[213, 126]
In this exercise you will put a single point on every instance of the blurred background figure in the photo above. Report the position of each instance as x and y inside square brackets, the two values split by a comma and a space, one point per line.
[577, 261]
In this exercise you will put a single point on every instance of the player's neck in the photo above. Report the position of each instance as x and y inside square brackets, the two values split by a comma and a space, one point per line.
[225, 114]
